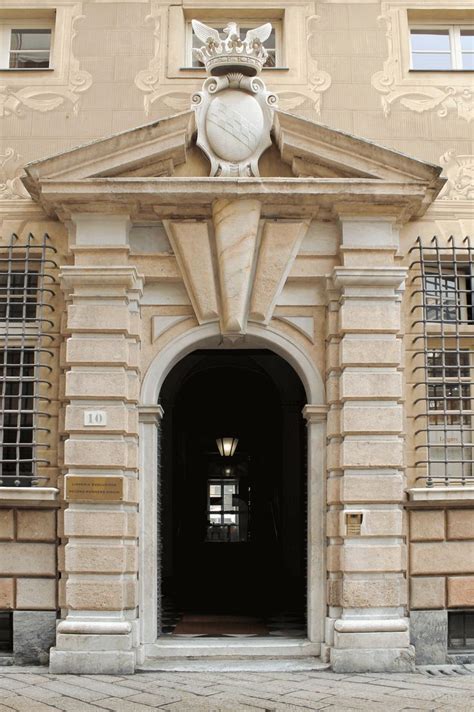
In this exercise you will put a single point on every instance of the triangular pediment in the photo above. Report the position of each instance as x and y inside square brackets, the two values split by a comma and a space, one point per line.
[316, 150]
[151, 150]
[167, 147]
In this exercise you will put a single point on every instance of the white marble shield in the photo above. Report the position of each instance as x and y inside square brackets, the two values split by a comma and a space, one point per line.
[234, 118]
[234, 125]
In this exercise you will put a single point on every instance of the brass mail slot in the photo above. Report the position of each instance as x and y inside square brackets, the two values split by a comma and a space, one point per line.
[93, 489]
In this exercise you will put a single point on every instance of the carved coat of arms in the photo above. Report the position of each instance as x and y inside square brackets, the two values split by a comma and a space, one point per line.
[234, 110]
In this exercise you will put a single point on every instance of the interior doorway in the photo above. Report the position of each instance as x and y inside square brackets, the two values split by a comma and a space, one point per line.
[233, 513]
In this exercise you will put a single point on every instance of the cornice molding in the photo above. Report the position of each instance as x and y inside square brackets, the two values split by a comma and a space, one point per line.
[155, 148]
[193, 197]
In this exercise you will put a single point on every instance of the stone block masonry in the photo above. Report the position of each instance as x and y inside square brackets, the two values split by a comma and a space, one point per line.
[441, 556]
[28, 554]
[99, 588]
[367, 567]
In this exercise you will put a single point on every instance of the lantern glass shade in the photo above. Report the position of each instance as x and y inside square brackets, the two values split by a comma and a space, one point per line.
[227, 446]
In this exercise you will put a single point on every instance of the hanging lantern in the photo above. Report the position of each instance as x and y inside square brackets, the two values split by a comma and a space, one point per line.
[227, 446]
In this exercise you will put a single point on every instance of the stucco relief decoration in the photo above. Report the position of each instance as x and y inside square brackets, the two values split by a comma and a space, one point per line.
[234, 110]
[459, 170]
[148, 80]
[49, 96]
[395, 85]
[11, 169]
[318, 80]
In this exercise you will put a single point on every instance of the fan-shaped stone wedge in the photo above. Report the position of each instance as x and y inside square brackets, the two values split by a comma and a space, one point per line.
[190, 242]
[236, 227]
[280, 243]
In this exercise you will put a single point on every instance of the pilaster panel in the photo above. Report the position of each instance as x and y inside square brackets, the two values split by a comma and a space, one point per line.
[368, 549]
[101, 552]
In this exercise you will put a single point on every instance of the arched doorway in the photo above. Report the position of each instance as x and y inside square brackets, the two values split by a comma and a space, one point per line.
[153, 644]
[233, 528]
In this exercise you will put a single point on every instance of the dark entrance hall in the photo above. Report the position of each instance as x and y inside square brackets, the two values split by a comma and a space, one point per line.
[233, 525]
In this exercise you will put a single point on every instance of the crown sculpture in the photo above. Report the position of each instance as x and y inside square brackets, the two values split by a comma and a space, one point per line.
[234, 110]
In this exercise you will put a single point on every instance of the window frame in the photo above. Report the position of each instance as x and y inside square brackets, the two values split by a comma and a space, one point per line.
[277, 24]
[20, 360]
[7, 25]
[420, 91]
[463, 291]
[455, 47]
[449, 430]
[454, 615]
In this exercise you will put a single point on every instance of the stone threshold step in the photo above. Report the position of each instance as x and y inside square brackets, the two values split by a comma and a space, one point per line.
[233, 665]
[199, 648]
[6, 660]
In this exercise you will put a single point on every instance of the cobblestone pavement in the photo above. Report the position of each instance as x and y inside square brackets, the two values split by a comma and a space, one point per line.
[36, 690]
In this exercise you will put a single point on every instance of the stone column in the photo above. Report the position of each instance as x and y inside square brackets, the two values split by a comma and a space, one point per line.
[315, 416]
[100, 631]
[150, 417]
[367, 552]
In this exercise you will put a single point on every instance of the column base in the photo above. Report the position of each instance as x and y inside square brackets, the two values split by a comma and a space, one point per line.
[364, 644]
[103, 662]
[373, 659]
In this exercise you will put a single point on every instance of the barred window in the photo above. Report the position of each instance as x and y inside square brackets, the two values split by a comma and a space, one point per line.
[16, 413]
[27, 285]
[448, 293]
[461, 630]
[18, 295]
[449, 387]
[443, 354]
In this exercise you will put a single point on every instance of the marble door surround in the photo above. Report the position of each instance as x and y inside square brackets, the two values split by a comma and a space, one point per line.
[233, 242]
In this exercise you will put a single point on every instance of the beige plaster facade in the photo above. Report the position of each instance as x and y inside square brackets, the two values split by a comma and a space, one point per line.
[313, 259]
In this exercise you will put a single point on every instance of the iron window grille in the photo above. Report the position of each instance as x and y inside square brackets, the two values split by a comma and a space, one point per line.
[443, 335]
[6, 632]
[461, 630]
[27, 288]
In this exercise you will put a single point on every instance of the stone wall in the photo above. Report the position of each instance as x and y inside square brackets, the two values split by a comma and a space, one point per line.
[442, 552]
[28, 559]
[128, 68]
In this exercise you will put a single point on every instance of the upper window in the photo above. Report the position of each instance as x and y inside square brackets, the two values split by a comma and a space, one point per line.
[272, 44]
[25, 44]
[449, 47]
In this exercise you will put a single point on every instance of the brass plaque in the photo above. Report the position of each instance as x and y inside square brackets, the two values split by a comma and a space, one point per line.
[94, 489]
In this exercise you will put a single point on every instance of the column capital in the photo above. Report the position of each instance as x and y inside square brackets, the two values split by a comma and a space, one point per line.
[315, 413]
[370, 276]
[369, 232]
[100, 229]
[150, 414]
[72, 276]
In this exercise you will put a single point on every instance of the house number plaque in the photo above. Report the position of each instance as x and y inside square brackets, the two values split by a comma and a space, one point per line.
[94, 489]
[95, 417]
